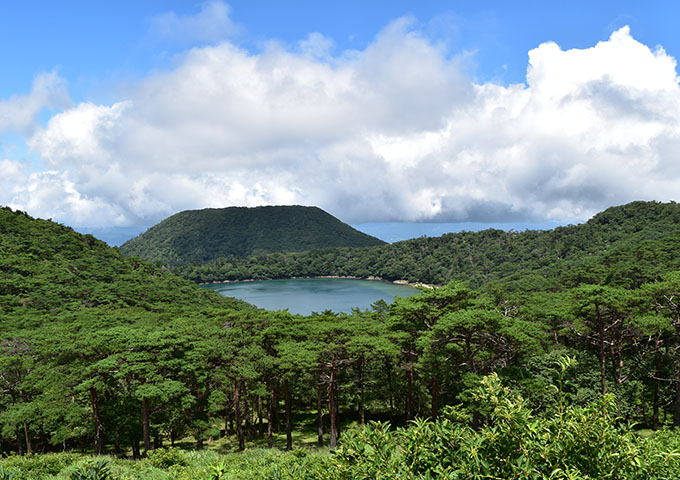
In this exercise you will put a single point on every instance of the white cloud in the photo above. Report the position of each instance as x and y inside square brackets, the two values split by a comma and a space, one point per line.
[79, 135]
[211, 24]
[19, 113]
[12, 180]
[392, 132]
[52, 194]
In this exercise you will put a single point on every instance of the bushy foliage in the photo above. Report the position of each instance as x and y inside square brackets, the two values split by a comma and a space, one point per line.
[6, 474]
[578, 442]
[95, 470]
[166, 457]
[253, 464]
[38, 467]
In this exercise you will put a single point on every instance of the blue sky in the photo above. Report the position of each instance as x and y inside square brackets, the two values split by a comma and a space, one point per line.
[114, 115]
[95, 44]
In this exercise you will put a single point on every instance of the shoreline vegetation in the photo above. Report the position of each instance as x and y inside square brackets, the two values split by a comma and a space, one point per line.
[348, 277]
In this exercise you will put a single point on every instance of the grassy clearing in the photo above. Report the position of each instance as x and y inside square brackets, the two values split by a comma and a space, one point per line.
[174, 463]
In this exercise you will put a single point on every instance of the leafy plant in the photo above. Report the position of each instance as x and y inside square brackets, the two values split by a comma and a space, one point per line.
[218, 471]
[6, 474]
[166, 457]
[96, 470]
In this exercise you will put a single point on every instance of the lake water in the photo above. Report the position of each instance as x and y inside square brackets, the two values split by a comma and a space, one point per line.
[307, 295]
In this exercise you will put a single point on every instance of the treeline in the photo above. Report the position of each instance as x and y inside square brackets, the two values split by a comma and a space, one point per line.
[643, 233]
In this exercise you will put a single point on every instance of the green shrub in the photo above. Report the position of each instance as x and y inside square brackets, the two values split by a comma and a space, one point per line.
[96, 470]
[166, 458]
[6, 474]
[218, 472]
[578, 442]
[38, 466]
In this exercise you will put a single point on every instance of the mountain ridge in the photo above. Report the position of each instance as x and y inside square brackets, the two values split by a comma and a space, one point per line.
[197, 236]
[618, 234]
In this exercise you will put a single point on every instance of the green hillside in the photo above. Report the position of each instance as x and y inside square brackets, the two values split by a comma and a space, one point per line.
[197, 236]
[637, 242]
[49, 269]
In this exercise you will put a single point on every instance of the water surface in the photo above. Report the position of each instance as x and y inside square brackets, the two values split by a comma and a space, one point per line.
[307, 295]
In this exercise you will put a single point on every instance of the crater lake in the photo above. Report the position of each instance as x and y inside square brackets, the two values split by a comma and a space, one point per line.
[307, 295]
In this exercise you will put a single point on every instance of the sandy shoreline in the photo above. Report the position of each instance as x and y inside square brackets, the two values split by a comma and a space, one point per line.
[374, 278]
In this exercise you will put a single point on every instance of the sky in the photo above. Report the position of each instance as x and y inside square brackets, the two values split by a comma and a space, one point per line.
[403, 118]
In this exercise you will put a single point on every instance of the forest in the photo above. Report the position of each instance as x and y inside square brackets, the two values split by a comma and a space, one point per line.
[197, 236]
[558, 358]
[642, 233]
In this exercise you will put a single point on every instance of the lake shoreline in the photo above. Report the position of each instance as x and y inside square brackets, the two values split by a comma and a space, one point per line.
[349, 277]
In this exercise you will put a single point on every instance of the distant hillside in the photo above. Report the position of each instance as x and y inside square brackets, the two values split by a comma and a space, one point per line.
[197, 236]
[47, 269]
[626, 245]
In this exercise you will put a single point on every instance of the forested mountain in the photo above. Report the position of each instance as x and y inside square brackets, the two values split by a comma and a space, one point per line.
[637, 242]
[49, 269]
[197, 236]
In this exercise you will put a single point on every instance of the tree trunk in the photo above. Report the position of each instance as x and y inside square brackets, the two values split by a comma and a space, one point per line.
[199, 413]
[237, 415]
[136, 454]
[289, 435]
[676, 409]
[435, 397]
[390, 388]
[409, 393]
[615, 369]
[275, 412]
[270, 427]
[260, 415]
[246, 413]
[657, 375]
[20, 442]
[319, 414]
[332, 409]
[145, 425]
[28, 439]
[362, 413]
[98, 428]
[229, 417]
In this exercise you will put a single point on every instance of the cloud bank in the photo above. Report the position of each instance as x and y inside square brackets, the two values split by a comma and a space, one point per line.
[394, 132]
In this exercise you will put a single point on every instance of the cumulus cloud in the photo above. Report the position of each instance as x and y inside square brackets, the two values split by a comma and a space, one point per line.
[19, 113]
[211, 24]
[395, 131]
[12, 180]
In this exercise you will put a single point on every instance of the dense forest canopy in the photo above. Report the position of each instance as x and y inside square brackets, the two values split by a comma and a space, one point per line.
[639, 235]
[532, 369]
[196, 236]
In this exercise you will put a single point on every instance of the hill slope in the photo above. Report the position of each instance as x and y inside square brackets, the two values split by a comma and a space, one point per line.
[636, 242]
[196, 236]
[48, 269]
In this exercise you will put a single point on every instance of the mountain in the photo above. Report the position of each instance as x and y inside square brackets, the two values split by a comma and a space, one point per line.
[48, 270]
[197, 236]
[626, 245]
